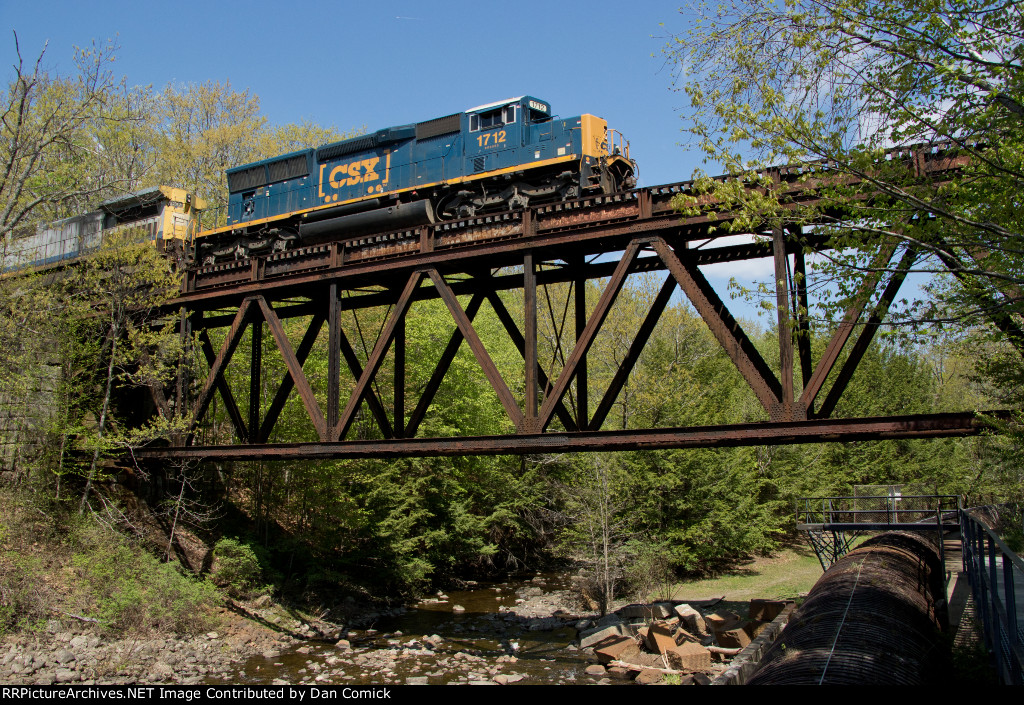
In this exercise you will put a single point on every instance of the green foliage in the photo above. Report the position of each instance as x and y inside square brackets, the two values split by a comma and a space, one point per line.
[51, 166]
[53, 563]
[130, 591]
[24, 603]
[841, 82]
[238, 567]
[600, 526]
[790, 81]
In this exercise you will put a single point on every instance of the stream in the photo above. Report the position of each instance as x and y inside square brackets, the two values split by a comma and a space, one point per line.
[504, 633]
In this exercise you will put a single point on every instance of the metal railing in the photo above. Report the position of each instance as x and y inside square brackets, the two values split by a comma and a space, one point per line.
[996, 573]
[892, 509]
[834, 523]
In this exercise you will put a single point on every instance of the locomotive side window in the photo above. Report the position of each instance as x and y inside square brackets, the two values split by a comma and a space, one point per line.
[492, 118]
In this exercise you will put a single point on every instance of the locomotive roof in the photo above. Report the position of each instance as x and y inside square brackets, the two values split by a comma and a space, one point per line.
[366, 141]
[495, 105]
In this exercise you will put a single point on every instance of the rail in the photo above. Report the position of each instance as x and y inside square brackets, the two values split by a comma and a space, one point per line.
[995, 573]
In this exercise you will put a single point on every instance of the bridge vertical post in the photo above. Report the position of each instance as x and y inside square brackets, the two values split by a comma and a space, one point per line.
[785, 332]
[333, 355]
[530, 338]
[255, 376]
[580, 296]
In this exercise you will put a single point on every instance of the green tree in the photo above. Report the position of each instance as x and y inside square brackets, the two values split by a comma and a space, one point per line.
[599, 526]
[833, 85]
[118, 288]
[200, 130]
[62, 144]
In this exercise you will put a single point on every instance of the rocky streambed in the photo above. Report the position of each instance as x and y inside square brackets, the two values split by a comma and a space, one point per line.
[511, 633]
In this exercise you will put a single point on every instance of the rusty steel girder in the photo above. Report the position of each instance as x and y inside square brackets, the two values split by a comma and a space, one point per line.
[772, 433]
[603, 240]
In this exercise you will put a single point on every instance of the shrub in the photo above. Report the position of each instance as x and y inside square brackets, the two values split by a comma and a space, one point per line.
[238, 568]
[25, 600]
[128, 590]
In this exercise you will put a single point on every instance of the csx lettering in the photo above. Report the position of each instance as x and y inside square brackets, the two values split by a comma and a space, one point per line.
[358, 172]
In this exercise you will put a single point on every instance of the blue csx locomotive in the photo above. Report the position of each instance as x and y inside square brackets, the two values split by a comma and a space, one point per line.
[500, 156]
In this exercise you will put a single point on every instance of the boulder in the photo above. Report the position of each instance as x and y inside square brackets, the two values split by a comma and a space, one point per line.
[649, 677]
[597, 634]
[611, 649]
[638, 658]
[691, 619]
[721, 621]
[658, 610]
[65, 675]
[735, 638]
[683, 636]
[659, 638]
[689, 657]
[662, 610]
[635, 611]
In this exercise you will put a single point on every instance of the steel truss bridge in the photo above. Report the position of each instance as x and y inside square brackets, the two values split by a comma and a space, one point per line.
[599, 241]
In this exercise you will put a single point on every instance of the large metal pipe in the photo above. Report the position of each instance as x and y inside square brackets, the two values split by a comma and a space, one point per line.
[876, 617]
[400, 215]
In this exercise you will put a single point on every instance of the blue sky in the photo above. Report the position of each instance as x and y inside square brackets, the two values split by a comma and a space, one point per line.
[390, 62]
[394, 61]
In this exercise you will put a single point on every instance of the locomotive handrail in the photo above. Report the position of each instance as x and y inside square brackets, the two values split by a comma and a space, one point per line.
[618, 144]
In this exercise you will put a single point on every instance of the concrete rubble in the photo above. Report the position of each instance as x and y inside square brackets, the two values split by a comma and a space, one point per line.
[673, 642]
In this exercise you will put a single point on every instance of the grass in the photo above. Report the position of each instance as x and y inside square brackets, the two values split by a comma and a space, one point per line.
[788, 574]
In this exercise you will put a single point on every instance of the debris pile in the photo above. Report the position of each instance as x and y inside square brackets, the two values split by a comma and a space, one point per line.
[672, 641]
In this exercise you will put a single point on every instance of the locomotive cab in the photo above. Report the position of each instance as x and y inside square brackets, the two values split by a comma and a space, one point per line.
[533, 156]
